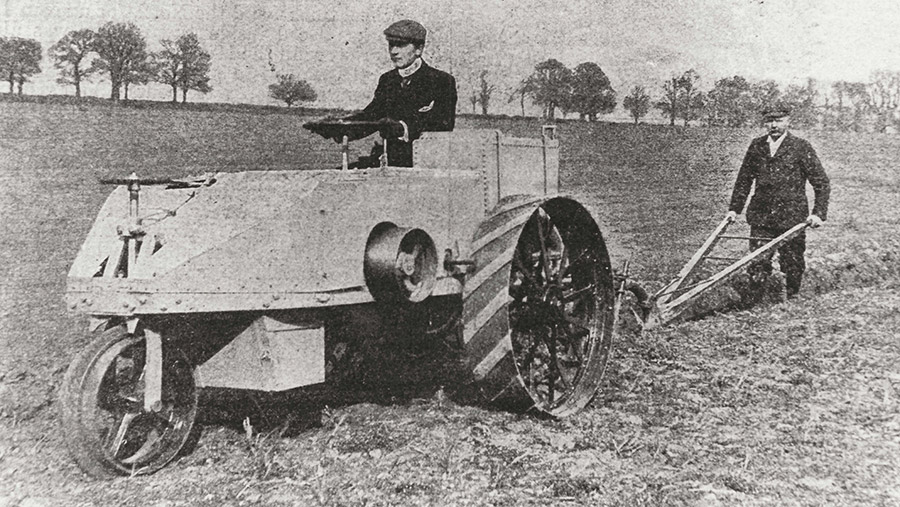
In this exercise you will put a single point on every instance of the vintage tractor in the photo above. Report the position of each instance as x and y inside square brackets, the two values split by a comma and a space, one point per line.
[234, 280]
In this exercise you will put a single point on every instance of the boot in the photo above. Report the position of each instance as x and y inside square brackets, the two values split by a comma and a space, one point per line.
[792, 285]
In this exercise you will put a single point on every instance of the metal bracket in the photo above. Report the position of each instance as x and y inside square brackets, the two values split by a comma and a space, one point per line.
[131, 325]
[153, 366]
[548, 131]
[345, 148]
[456, 267]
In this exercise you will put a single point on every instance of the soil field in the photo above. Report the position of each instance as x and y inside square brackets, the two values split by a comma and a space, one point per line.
[795, 403]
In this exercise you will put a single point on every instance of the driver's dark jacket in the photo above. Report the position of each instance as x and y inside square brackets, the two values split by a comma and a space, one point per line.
[427, 103]
[779, 199]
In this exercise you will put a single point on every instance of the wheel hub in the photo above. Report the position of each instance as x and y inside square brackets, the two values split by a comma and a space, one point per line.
[551, 306]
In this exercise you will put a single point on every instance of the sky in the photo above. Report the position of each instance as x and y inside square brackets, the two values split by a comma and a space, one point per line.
[338, 46]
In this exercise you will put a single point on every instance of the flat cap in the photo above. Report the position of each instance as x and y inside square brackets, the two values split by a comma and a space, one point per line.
[405, 30]
[776, 111]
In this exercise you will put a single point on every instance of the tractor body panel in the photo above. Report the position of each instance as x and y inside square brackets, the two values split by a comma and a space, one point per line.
[261, 240]
[279, 248]
[273, 353]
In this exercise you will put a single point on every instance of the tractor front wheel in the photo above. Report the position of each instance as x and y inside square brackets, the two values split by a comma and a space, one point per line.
[108, 431]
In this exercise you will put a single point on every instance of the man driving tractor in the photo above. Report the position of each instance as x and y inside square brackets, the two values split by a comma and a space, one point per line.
[410, 99]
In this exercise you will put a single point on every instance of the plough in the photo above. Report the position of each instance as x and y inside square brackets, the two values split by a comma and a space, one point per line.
[669, 302]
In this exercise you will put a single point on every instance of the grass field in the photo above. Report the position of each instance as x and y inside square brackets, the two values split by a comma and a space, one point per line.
[792, 404]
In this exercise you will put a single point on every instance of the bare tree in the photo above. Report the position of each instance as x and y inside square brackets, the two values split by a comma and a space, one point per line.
[289, 90]
[19, 59]
[884, 97]
[836, 112]
[183, 64]
[485, 91]
[196, 63]
[802, 101]
[168, 66]
[139, 74]
[637, 103]
[850, 107]
[550, 86]
[669, 103]
[682, 98]
[859, 99]
[69, 55]
[122, 54]
[521, 91]
[691, 98]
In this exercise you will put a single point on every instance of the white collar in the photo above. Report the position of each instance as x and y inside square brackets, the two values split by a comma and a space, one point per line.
[411, 69]
[775, 144]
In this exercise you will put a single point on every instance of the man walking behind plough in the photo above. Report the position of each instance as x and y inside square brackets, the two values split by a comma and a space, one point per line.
[778, 165]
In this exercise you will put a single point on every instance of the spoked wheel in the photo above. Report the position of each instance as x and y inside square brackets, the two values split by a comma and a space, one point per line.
[556, 315]
[538, 311]
[108, 431]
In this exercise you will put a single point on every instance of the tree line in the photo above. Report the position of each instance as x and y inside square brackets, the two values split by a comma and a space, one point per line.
[736, 101]
[116, 51]
[730, 102]
[585, 90]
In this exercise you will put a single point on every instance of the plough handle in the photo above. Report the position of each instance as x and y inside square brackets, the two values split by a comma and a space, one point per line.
[669, 309]
[666, 292]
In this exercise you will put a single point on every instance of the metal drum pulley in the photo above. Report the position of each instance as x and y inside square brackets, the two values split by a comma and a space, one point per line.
[400, 264]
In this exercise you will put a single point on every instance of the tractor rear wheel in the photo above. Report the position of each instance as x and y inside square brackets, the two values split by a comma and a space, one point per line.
[538, 310]
[107, 429]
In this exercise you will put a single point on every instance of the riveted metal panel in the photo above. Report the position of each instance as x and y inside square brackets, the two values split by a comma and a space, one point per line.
[509, 165]
[294, 239]
[270, 355]
[266, 240]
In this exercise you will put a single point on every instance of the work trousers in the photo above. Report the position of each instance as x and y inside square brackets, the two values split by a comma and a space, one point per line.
[790, 257]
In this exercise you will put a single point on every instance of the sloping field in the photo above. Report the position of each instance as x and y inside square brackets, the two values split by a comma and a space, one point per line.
[793, 404]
